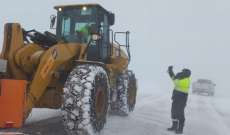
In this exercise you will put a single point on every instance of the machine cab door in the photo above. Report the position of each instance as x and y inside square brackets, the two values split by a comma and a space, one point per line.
[101, 50]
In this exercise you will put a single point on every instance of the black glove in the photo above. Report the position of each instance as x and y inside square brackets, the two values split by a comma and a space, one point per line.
[170, 68]
[170, 72]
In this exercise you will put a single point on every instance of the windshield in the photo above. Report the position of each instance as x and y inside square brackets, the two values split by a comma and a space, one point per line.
[76, 25]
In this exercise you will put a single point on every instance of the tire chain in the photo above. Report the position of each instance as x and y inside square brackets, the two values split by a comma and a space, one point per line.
[120, 106]
[77, 93]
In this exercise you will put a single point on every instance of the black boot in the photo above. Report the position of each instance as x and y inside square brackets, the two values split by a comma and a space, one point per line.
[179, 130]
[174, 126]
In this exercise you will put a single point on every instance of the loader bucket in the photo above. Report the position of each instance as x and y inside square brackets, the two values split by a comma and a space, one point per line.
[12, 101]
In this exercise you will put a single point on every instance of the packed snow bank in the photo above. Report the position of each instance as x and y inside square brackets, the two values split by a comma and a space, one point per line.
[39, 114]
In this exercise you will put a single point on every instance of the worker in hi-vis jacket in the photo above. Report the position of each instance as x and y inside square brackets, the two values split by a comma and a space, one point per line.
[179, 98]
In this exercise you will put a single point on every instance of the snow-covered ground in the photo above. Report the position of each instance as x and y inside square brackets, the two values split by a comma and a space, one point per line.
[204, 116]
[39, 114]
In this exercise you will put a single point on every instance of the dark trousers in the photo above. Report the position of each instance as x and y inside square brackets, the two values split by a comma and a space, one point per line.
[179, 101]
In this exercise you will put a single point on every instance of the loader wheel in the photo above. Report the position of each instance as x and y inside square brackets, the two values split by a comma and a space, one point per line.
[86, 95]
[122, 95]
[132, 90]
[126, 95]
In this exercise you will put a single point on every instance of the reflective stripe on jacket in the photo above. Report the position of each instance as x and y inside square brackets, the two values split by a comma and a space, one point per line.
[182, 85]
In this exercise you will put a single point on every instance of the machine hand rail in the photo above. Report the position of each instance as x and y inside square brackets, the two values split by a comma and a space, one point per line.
[123, 45]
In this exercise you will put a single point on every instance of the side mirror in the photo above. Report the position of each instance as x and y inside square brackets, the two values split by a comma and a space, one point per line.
[111, 19]
[52, 21]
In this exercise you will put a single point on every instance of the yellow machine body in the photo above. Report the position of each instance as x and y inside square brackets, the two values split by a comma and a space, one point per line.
[42, 68]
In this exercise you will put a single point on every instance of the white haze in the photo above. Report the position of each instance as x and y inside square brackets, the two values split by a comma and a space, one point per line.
[184, 33]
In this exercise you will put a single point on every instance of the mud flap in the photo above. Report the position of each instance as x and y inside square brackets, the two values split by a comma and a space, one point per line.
[12, 103]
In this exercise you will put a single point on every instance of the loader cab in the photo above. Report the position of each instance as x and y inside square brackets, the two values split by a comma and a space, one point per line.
[77, 23]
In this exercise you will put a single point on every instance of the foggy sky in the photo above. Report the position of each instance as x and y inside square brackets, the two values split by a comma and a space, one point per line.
[184, 33]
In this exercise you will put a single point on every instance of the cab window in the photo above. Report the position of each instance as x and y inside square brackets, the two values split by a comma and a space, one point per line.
[66, 26]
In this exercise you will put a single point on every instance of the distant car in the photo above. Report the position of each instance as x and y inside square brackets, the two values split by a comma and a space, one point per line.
[203, 86]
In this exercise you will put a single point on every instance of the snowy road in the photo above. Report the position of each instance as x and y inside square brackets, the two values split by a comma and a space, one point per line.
[205, 115]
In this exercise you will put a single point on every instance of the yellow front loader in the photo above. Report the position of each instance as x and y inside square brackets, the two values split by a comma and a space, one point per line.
[81, 69]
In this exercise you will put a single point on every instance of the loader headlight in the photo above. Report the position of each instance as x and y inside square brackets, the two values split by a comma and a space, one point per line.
[84, 8]
[59, 9]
